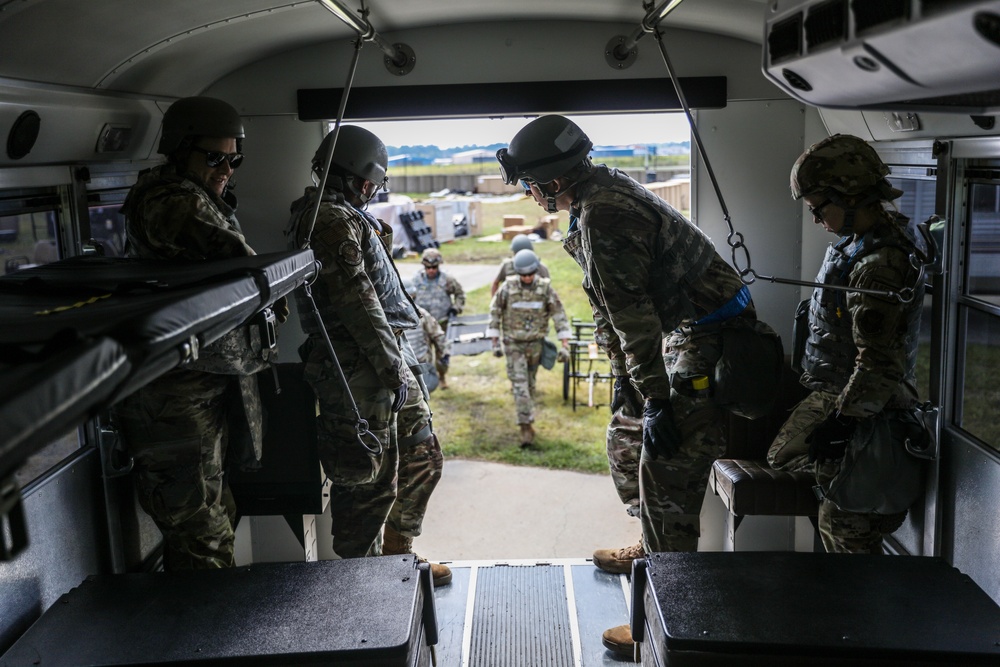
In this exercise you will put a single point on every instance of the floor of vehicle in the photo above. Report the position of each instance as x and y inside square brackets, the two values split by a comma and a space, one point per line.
[527, 612]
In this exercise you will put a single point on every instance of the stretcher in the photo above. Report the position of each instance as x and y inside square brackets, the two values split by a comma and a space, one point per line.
[82, 333]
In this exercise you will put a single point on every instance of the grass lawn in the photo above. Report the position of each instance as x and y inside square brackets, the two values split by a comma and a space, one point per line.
[475, 417]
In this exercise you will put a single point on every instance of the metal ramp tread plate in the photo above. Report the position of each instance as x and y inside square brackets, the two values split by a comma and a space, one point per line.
[527, 613]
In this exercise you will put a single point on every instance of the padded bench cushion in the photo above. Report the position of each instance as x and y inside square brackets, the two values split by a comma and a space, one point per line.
[753, 488]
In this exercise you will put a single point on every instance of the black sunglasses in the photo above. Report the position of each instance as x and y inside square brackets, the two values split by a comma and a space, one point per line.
[817, 211]
[215, 158]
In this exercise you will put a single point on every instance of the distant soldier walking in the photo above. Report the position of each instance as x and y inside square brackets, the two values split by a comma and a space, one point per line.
[520, 310]
[438, 293]
[518, 243]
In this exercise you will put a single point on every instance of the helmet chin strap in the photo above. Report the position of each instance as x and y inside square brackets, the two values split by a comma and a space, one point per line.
[550, 198]
[847, 229]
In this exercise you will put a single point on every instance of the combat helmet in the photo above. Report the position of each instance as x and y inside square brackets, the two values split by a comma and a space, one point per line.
[543, 150]
[520, 242]
[358, 153]
[525, 262]
[431, 257]
[845, 165]
[191, 117]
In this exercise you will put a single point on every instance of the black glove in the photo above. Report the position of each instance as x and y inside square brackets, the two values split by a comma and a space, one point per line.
[660, 436]
[624, 395]
[399, 397]
[452, 312]
[497, 350]
[829, 440]
[445, 360]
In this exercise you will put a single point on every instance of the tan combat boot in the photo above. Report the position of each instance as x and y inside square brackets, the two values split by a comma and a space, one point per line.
[618, 561]
[527, 435]
[618, 640]
[394, 544]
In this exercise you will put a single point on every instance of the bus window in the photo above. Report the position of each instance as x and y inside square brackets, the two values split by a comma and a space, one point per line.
[107, 228]
[979, 311]
[918, 203]
[28, 239]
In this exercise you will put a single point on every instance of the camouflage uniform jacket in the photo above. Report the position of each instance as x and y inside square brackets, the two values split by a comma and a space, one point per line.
[507, 270]
[169, 216]
[647, 271]
[358, 293]
[863, 347]
[439, 294]
[523, 311]
[428, 340]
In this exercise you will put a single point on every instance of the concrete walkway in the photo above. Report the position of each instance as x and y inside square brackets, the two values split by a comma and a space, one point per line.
[492, 511]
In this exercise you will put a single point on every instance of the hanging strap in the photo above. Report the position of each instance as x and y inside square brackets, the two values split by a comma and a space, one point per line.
[735, 239]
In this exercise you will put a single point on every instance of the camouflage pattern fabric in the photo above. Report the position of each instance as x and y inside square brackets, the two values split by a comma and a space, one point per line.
[363, 485]
[180, 426]
[429, 341]
[624, 444]
[877, 373]
[523, 359]
[864, 346]
[175, 429]
[439, 294]
[840, 162]
[671, 491]
[507, 270]
[841, 532]
[649, 274]
[420, 464]
[519, 314]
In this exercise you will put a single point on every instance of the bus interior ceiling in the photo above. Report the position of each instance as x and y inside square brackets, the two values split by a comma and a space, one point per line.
[99, 76]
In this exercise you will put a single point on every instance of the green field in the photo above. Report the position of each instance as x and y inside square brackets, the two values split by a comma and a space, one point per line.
[475, 418]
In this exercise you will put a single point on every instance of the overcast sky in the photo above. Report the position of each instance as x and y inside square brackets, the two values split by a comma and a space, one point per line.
[602, 130]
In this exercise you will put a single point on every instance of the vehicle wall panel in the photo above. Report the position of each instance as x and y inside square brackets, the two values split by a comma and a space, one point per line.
[65, 527]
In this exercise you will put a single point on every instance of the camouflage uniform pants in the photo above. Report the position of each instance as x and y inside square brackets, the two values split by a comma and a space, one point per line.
[440, 368]
[175, 429]
[624, 442]
[420, 463]
[363, 484]
[671, 491]
[523, 359]
[841, 532]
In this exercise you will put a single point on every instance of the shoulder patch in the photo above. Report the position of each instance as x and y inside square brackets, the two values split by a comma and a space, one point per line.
[350, 252]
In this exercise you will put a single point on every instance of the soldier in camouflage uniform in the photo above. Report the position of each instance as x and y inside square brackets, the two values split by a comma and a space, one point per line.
[659, 293]
[364, 311]
[420, 463]
[520, 310]
[860, 356]
[429, 342]
[184, 427]
[440, 295]
[519, 242]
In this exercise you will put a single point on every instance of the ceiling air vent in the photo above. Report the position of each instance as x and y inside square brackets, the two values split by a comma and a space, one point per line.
[785, 40]
[872, 16]
[889, 55]
[826, 24]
